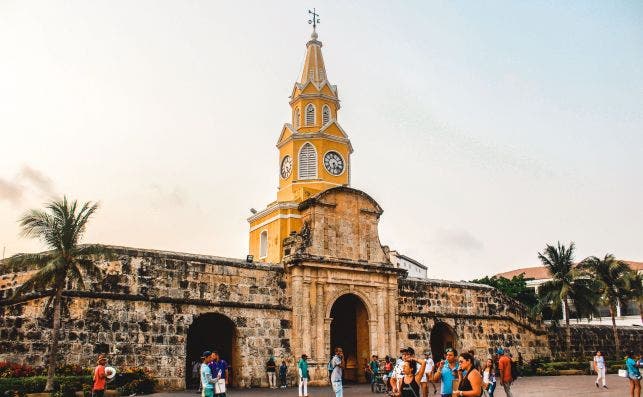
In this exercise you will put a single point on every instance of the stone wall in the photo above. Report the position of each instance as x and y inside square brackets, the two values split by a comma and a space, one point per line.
[480, 317]
[141, 312]
[587, 339]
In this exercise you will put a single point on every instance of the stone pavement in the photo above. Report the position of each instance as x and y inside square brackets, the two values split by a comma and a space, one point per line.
[537, 386]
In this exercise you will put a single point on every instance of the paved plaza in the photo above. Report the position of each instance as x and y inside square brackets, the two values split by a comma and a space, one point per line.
[549, 386]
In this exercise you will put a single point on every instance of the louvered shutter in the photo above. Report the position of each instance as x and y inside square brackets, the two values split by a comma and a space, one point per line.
[307, 162]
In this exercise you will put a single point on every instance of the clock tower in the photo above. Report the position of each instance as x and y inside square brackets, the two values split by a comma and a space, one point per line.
[314, 155]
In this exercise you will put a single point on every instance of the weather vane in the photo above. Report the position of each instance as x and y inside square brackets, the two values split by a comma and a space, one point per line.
[314, 20]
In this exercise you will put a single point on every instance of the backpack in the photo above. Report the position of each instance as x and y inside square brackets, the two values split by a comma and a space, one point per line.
[330, 365]
[515, 371]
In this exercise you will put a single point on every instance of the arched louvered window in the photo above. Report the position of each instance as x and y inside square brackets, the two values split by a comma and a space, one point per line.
[310, 114]
[297, 118]
[325, 114]
[263, 244]
[307, 162]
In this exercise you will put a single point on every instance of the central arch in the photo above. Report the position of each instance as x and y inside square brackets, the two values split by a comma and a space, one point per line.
[442, 338]
[211, 331]
[349, 329]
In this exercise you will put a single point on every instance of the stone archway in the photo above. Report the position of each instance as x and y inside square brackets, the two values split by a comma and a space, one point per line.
[442, 337]
[211, 331]
[349, 328]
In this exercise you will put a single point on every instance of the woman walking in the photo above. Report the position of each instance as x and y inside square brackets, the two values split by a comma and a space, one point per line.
[599, 367]
[489, 378]
[471, 384]
[633, 374]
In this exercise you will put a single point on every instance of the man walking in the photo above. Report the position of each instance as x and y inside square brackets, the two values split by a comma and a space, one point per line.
[428, 369]
[100, 377]
[504, 367]
[446, 373]
[219, 371]
[207, 383]
[271, 369]
[337, 363]
[302, 368]
[283, 372]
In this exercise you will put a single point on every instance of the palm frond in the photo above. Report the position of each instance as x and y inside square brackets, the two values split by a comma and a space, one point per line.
[47, 277]
[25, 262]
[76, 275]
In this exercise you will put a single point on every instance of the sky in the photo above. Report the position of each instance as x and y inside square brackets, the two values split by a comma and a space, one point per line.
[485, 130]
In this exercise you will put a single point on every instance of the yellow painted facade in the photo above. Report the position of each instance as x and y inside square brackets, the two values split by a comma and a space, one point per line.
[314, 155]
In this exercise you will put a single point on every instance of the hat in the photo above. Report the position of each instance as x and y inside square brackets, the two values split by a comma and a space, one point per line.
[101, 358]
[206, 354]
[304, 356]
[408, 350]
[500, 351]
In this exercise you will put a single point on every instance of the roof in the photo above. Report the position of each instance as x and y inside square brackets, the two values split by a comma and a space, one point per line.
[313, 69]
[540, 272]
[409, 259]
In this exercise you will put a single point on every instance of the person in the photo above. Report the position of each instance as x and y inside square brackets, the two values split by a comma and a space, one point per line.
[411, 377]
[219, 371]
[407, 354]
[207, 382]
[337, 364]
[471, 381]
[504, 368]
[100, 377]
[374, 365]
[489, 378]
[599, 368]
[302, 368]
[196, 366]
[633, 374]
[271, 369]
[283, 371]
[368, 372]
[446, 373]
[424, 382]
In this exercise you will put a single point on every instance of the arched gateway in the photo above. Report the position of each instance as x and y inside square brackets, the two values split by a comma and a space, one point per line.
[210, 331]
[442, 338]
[349, 329]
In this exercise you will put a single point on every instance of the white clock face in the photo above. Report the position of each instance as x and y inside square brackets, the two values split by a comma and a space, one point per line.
[286, 167]
[334, 163]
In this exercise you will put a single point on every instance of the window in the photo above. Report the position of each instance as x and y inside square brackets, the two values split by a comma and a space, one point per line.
[307, 162]
[325, 114]
[310, 114]
[263, 244]
[297, 118]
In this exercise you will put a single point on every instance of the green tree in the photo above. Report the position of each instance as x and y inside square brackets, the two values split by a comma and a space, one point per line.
[634, 283]
[612, 278]
[568, 284]
[60, 226]
[515, 287]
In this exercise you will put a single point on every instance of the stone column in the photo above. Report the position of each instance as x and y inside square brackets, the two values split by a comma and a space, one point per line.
[297, 294]
[381, 323]
[306, 320]
[320, 353]
[392, 321]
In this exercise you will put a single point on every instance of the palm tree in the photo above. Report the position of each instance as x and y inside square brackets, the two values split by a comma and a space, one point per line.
[60, 226]
[567, 284]
[634, 285]
[611, 275]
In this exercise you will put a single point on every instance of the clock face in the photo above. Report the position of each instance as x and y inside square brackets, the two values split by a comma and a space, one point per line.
[334, 163]
[286, 167]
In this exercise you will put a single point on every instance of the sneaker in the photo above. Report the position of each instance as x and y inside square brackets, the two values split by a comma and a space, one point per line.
[605, 386]
[596, 384]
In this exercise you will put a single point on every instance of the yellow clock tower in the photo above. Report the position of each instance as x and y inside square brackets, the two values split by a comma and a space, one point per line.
[314, 155]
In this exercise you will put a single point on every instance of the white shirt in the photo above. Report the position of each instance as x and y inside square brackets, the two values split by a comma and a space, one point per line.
[599, 361]
[427, 369]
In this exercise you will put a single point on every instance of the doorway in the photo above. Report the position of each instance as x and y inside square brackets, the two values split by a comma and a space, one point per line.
[349, 330]
[442, 338]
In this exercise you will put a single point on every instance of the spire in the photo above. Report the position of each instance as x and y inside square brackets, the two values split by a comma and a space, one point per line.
[314, 69]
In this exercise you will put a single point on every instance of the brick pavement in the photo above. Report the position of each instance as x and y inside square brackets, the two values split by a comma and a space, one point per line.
[545, 386]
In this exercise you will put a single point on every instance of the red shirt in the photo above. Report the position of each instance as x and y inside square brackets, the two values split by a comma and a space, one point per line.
[100, 379]
[504, 365]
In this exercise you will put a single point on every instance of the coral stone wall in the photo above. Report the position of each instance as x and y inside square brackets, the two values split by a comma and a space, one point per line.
[141, 312]
[481, 317]
[587, 339]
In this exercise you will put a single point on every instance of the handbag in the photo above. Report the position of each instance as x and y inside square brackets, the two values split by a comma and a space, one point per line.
[622, 373]
[219, 387]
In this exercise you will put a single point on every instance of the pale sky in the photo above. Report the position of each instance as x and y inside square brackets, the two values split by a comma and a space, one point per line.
[484, 129]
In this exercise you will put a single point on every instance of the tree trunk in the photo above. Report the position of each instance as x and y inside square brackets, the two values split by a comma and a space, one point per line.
[568, 331]
[617, 341]
[641, 311]
[53, 347]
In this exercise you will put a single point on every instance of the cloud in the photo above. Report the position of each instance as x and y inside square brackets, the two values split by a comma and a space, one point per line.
[38, 179]
[177, 197]
[458, 239]
[28, 180]
[11, 191]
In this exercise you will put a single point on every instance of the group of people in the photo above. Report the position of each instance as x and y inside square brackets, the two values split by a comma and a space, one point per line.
[336, 366]
[463, 375]
[271, 370]
[213, 375]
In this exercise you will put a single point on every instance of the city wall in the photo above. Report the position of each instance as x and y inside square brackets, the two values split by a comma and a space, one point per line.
[587, 339]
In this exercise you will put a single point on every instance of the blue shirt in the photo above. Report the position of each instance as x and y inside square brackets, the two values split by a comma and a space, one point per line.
[630, 363]
[448, 376]
[206, 377]
[216, 366]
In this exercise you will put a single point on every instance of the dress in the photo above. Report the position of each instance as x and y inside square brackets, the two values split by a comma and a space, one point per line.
[410, 389]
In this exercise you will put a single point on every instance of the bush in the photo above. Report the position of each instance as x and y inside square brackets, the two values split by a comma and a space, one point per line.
[65, 385]
[134, 380]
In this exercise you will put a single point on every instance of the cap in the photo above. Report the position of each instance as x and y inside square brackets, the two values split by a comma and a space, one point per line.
[304, 356]
[500, 351]
[206, 354]
[101, 358]
[408, 350]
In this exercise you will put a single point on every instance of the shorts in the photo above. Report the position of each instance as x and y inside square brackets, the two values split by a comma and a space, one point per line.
[207, 392]
[98, 393]
[634, 376]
